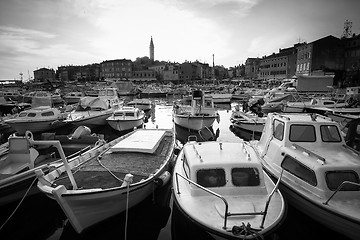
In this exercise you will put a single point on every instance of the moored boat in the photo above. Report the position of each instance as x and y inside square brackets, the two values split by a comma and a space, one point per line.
[112, 178]
[21, 156]
[126, 118]
[222, 189]
[93, 111]
[320, 173]
[201, 113]
[38, 119]
[143, 104]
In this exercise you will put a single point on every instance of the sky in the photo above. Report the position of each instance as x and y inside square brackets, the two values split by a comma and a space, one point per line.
[52, 33]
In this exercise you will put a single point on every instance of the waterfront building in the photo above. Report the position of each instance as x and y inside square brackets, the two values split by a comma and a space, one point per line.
[252, 66]
[324, 55]
[352, 60]
[171, 73]
[147, 75]
[188, 72]
[280, 65]
[44, 75]
[116, 69]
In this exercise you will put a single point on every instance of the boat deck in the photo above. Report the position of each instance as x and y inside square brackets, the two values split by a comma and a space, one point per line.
[94, 173]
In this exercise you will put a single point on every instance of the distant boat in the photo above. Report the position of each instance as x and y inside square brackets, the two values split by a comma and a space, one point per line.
[221, 97]
[38, 119]
[201, 113]
[248, 121]
[112, 178]
[73, 97]
[143, 104]
[93, 111]
[126, 118]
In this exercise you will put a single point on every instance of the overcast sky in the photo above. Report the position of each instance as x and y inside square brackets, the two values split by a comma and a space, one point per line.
[52, 33]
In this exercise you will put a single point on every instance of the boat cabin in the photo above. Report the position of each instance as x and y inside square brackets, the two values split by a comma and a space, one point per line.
[128, 112]
[39, 112]
[311, 150]
[111, 95]
[226, 169]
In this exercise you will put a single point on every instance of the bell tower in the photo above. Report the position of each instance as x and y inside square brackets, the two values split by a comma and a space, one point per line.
[151, 50]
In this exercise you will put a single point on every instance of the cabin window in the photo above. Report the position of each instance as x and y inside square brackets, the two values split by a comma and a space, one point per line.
[299, 170]
[302, 133]
[207, 103]
[211, 177]
[23, 114]
[245, 177]
[110, 93]
[278, 130]
[46, 114]
[330, 133]
[129, 114]
[335, 178]
[31, 114]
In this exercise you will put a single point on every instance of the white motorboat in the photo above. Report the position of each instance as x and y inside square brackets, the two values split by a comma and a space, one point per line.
[248, 121]
[221, 188]
[38, 119]
[93, 111]
[320, 172]
[143, 104]
[126, 118]
[73, 97]
[201, 113]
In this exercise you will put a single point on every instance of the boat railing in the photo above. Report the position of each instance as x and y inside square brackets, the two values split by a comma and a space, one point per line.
[206, 190]
[339, 188]
[226, 213]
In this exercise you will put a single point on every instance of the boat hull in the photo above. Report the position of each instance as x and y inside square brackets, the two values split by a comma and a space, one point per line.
[90, 119]
[35, 126]
[194, 122]
[320, 212]
[124, 125]
[85, 210]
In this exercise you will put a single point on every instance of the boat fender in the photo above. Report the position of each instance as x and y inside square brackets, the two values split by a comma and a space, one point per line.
[80, 131]
[163, 179]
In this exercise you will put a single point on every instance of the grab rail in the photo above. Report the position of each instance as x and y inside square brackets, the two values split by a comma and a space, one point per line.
[339, 188]
[206, 190]
[228, 214]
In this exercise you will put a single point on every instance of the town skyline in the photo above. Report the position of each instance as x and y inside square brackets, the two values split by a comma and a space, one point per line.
[48, 34]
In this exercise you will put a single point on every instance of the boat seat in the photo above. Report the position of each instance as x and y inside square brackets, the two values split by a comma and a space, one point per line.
[20, 156]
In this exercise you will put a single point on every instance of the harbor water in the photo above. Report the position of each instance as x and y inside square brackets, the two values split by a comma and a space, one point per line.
[38, 217]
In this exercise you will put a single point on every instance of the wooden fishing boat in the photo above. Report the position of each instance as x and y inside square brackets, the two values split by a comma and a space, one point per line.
[21, 156]
[201, 113]
[221, 187]
[112, 178]
[126, 118]
[320, 172]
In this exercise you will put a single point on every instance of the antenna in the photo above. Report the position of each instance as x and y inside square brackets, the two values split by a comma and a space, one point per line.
[347, 29]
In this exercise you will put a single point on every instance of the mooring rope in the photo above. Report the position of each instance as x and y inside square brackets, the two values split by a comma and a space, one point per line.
[22, 199]
[107, 169]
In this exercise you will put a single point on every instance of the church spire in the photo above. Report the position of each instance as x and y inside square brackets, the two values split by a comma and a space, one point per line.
[151, 49]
